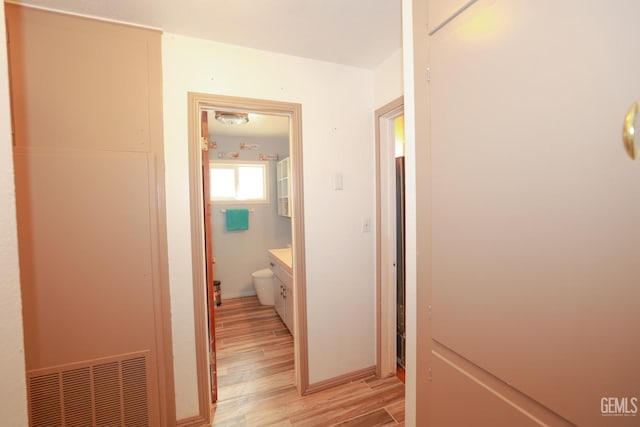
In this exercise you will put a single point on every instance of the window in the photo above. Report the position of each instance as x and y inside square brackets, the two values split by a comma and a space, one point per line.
[239, 182]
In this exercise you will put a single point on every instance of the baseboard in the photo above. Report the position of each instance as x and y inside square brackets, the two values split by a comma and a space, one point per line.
[339, 380]
[197, 421]
[237, 295]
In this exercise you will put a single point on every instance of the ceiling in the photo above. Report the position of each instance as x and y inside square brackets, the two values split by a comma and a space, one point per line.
[360, 33]
[259, 125]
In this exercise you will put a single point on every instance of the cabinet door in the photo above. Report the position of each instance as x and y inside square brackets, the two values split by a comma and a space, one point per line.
[283, 187]
[288, 303]
[278, 293]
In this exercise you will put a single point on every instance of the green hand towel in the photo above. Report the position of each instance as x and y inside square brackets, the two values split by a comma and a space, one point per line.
[237, 219]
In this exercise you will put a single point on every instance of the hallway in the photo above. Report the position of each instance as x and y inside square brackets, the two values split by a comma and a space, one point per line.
[256, 379]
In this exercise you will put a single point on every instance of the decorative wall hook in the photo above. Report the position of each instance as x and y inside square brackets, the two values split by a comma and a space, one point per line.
[268, 156]
[234, 155]
[245, 146]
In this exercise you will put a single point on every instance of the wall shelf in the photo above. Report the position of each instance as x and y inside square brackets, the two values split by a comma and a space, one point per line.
[283, 172]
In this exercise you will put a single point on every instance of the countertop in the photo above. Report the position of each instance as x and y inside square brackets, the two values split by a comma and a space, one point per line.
[284, 257]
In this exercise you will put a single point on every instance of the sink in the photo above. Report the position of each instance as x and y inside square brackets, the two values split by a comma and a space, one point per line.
[284, 257]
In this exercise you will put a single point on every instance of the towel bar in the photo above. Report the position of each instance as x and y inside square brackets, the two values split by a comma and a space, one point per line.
[224, 210]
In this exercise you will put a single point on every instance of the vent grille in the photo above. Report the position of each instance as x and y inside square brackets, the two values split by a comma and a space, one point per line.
[135, 393]
[45, 406]
[76, 397]
[104, 393]
[106, 383]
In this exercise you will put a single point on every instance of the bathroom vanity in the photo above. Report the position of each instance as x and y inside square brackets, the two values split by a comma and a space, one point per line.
[281, 263]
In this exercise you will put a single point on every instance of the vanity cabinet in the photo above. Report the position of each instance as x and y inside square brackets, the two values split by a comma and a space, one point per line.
[283, 171]
[283, 292]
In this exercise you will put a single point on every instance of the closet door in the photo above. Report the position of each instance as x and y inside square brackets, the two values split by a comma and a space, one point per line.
[86, 103]
[535, 204]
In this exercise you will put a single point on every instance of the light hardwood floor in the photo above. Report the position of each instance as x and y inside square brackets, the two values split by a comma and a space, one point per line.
[255, 379]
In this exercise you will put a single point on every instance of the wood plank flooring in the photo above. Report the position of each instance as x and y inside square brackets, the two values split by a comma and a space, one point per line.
[256, 379]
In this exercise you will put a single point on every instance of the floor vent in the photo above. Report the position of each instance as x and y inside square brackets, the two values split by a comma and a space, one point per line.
[110, 392]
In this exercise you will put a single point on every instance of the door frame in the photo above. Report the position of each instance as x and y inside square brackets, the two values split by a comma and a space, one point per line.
[197, 102]
[386, 353]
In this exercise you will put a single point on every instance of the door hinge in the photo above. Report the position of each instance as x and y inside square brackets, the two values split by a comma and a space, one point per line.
[204, 144]
[429, 308]
[428, 74]
[430, 375]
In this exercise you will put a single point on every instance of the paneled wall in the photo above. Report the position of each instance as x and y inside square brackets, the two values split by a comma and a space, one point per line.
[87, 109]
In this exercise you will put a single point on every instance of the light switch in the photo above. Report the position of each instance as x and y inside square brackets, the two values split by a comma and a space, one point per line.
[366, 225]
[337, 182]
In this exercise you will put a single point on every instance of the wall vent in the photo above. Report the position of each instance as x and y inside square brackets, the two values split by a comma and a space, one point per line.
[111, 392]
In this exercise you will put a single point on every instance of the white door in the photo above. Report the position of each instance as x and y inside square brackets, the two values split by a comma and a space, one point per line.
[536, 215]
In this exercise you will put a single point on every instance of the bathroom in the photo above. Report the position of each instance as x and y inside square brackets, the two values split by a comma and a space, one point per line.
[241, 248]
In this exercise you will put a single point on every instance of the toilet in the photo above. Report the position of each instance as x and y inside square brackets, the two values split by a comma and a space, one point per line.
[263, 282]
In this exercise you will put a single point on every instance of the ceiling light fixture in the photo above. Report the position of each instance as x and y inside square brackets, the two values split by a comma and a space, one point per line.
[232, 118]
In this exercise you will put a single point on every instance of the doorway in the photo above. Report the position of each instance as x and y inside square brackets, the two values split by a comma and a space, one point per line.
[247, 160]
[197, 103]
[389, 241]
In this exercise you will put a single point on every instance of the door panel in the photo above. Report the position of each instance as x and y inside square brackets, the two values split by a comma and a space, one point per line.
[480, 407]
[52, 44]
[535, 203]
[72, 232]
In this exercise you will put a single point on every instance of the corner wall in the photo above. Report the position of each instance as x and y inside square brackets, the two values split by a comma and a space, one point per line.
[13, 393]
[337, 131]
[388, 80]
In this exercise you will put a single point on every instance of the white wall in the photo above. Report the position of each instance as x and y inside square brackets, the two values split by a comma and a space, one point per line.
[337, 126]
[388, 80]
[240, 253]
[13, 394]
